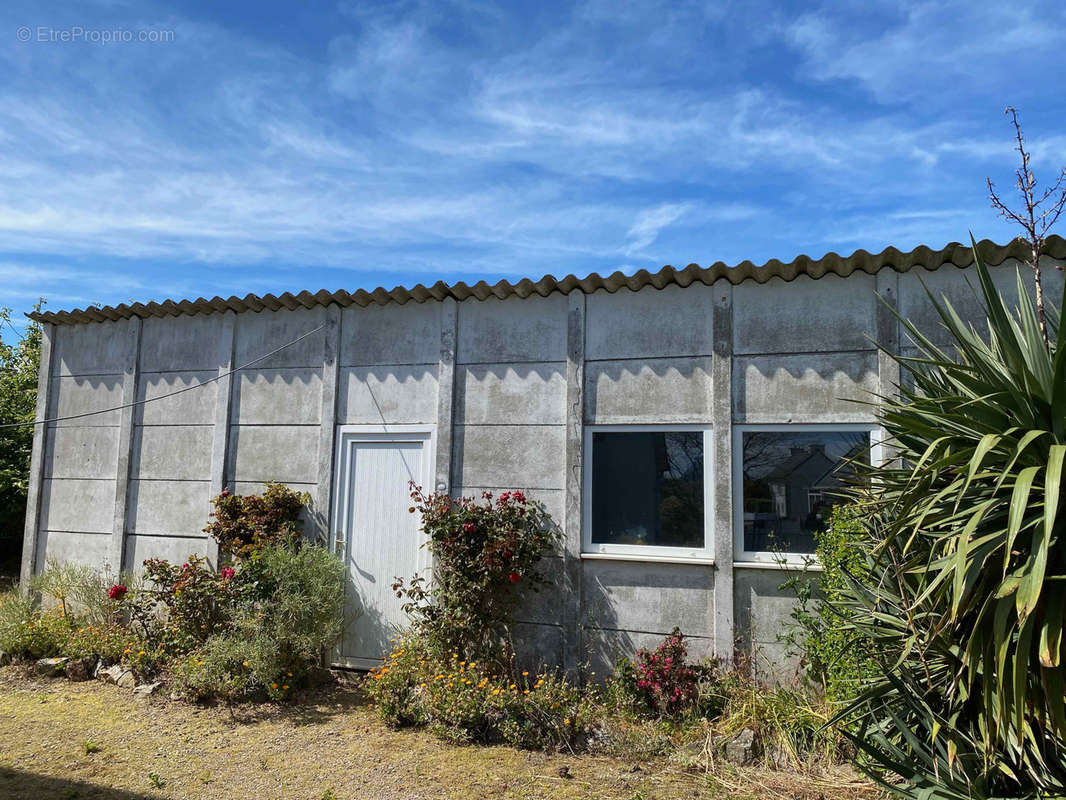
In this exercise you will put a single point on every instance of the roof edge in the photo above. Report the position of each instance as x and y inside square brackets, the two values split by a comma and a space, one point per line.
[955, 253]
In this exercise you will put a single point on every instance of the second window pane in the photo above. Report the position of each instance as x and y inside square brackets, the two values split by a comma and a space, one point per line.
[647, 488]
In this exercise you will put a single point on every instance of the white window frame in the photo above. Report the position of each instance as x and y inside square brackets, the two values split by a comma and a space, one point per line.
[635, 552]
[748, 557]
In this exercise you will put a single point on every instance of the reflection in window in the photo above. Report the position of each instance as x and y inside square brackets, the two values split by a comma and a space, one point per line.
[792, 479]
[647, 488]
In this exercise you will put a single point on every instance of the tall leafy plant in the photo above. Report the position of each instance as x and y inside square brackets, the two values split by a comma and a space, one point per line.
[966, 593]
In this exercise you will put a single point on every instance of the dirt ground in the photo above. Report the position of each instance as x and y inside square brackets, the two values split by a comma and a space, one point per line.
[91, 741]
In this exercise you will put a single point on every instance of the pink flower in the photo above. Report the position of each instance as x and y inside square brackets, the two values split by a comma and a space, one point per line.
[469, 527]
[117, 592]
[514, 577]
[518, 497]
[227, 573]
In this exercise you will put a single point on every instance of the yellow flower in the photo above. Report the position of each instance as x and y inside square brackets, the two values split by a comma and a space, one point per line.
[566, 721]
[285, 686]
[525, 674]
[273, 686]
[246, 665]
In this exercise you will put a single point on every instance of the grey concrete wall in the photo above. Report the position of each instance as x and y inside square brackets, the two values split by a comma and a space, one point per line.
[511, 384]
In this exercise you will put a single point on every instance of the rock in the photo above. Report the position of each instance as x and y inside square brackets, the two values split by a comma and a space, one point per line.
[118, 675]
[79, 669]
[564, 772]
[51, 667]
[146, 689]
[741, 748]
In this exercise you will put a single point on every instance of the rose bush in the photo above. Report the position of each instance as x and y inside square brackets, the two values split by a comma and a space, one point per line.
[485, 555]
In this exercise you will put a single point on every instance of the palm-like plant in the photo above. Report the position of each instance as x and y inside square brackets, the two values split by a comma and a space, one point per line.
[968, 540]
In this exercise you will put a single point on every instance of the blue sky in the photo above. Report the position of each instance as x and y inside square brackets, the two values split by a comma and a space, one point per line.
[272, 147]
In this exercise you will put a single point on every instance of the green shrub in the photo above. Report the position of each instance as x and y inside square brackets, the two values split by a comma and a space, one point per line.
[181, 606]
[284, 606]
[485, 558]
[839, 662]
[470, 701]
[245, 524]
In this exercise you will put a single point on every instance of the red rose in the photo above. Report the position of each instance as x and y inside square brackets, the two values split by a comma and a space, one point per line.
[514, 577]
[117, 592]
[518, 497]
[469, 527]
[227, 573]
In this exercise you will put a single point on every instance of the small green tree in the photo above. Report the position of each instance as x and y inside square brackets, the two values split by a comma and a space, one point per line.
[19, 364]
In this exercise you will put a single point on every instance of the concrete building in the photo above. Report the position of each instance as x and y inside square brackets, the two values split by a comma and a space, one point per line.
[655, 416]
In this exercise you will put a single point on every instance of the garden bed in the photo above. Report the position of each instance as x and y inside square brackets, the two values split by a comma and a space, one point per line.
[90, 741]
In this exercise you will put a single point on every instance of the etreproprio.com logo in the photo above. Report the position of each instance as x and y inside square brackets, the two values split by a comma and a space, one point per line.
[78, 34]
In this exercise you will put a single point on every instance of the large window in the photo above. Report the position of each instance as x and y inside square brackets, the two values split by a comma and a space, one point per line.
[787, 479]
[648, 491]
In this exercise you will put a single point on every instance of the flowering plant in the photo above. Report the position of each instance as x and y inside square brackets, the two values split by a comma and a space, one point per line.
[117, 591]
[485, 555]
[664, 678]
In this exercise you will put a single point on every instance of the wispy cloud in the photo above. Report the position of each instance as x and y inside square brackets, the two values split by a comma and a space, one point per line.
[404, 142]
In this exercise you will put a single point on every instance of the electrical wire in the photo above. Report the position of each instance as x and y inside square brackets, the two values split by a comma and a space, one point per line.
[169, 394]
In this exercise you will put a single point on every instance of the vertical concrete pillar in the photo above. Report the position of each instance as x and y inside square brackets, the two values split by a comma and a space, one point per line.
[40, 437]
[227, 340]
[327, 421]
[575, 459]
[130, 375]
[449, 328]
[888, 337]
[722, 464]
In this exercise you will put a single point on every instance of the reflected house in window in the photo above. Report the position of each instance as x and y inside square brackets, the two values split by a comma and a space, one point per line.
[791, 481]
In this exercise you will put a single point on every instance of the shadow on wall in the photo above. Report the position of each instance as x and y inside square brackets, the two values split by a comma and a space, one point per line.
[16, 785]
[603, 644]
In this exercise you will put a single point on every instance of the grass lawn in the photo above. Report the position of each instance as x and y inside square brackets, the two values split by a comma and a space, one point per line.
[91, 741]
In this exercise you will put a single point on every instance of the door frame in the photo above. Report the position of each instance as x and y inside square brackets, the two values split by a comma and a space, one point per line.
[340, 541]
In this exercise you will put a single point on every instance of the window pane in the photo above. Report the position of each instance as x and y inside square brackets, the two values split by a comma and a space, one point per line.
[791, 481]
[647, 488]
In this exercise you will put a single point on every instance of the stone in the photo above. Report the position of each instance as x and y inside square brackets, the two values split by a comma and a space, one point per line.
[118, 675]
[51, 667]
[742, 748]
[80, 669]
[146, 689]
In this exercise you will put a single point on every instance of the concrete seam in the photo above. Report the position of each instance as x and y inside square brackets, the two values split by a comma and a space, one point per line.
[37, 458]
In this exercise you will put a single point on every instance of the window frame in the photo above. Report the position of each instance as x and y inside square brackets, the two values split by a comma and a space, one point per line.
[636, 552]
[770, 558]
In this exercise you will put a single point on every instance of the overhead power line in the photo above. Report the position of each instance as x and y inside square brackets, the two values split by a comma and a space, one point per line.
[253, 362]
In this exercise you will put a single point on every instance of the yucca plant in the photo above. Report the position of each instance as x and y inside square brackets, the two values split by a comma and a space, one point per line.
[968, 549]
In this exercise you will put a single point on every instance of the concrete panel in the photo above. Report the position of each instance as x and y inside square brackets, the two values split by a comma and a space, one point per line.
[91, 349]
[84, 506]
[286, 453]
[265, 331]
[519, 330]
[763, 608]
[605, 648]
[65, 547]
[655, 598]
[175, 452]
[653, 391]
[961, 288]
[176, 551]
[81, 453]
[180, 508]
[546, 605]
[805, 388]
[651, 323]
[511, 394]
[387, 395]
[180, 343]
[73, 395]
[278, 397]
[538, 647]
[805, 315]
[194, 407]
[392, 334]
[507, 456]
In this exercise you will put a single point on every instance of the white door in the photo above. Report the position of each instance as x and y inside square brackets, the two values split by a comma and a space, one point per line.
[377, 534]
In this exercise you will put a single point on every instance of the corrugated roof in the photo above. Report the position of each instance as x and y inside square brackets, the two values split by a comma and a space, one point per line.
[860, 261]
